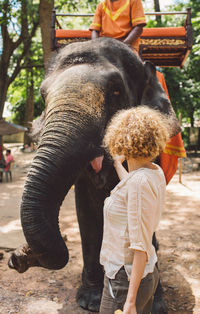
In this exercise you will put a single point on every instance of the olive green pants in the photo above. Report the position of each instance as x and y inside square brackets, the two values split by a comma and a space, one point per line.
[115, 293]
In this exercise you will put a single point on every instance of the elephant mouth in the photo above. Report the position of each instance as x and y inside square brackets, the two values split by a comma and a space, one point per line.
[96, 163]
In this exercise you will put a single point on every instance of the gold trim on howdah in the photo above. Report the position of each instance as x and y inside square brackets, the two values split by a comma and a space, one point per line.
[162, 42]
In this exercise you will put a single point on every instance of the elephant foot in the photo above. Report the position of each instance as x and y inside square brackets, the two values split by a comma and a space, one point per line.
[89, 298]
[22, 258]
[159, 306]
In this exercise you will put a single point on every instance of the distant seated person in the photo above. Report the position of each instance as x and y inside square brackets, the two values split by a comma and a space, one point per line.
[2, 162]
[28, 148]
[9, 160]
[120, 19]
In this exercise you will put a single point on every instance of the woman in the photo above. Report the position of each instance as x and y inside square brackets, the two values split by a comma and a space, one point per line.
[133, 210]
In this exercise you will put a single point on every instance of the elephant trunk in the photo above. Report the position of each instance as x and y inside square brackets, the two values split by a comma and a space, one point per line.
[59, 160]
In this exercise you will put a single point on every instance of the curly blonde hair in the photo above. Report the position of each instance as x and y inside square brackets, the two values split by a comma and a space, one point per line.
[138, 132]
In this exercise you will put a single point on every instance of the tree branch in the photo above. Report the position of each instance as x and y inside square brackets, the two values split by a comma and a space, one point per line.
[24, 25]
[24, 52]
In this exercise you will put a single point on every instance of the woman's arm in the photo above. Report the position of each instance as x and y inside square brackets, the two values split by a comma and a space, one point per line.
[138, 266]
[121, 171]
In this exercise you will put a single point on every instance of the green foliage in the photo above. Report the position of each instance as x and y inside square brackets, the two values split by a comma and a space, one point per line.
[70, 6]
[18, 28]
[195, 5]
[19, 109]
[9, 12]
[196, 32]
[184, 92]
[17, 94]
[184, 85]
[18, 24]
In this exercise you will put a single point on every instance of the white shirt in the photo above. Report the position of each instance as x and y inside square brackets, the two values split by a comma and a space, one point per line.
[131, 216]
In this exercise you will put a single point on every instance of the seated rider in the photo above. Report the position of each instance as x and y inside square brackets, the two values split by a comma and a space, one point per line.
[120, 19]
[2, 162]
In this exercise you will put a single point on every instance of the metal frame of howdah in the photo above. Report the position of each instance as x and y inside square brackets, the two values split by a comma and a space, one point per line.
[163, 46]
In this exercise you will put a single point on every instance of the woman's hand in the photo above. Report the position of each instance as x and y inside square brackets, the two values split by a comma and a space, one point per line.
[121, 171]
[129, 308]
[119, 158]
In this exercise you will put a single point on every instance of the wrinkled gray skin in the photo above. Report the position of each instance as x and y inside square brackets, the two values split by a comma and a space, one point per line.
[87, 83]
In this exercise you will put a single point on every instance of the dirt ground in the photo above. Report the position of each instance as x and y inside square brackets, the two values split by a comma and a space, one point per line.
[41, 291]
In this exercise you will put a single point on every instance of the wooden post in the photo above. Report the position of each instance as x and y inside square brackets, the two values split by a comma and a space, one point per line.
[180, 159]
[180, 169]
[189, 29]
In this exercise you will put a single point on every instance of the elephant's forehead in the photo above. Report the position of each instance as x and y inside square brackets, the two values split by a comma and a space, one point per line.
[73, 72]
[88, 98]
[72, 86]
[81, 79]
[76, 74]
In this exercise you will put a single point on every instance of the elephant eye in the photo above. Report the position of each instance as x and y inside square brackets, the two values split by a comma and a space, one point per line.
[116, 92]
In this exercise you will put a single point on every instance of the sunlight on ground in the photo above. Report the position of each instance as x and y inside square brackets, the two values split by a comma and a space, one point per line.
[183, 189]
[194, 283]
[42, 306]
[189, 185]
[5, 196]
[11, 226]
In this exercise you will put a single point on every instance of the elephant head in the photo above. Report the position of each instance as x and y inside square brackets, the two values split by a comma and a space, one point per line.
[87, 83]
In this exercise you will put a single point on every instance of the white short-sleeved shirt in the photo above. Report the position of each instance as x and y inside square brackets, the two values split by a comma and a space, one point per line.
[131, 216]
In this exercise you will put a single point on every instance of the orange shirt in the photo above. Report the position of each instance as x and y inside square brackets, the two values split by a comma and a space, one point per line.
[116, 19]
[161, 79]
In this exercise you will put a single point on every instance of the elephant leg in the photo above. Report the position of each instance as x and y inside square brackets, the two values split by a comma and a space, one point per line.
[89, 206]
[159, 304]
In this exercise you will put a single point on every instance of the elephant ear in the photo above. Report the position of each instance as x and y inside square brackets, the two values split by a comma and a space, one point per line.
[37, 127]
[155, 97]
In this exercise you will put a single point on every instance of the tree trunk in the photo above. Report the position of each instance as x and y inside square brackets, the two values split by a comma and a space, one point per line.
[3, 93]
[45, 12]
[191, 115]
[4, 81]
[29, 110]
[198, 142]
[157, 9]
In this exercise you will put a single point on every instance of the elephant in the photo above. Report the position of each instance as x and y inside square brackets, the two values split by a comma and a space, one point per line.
[87, 83]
